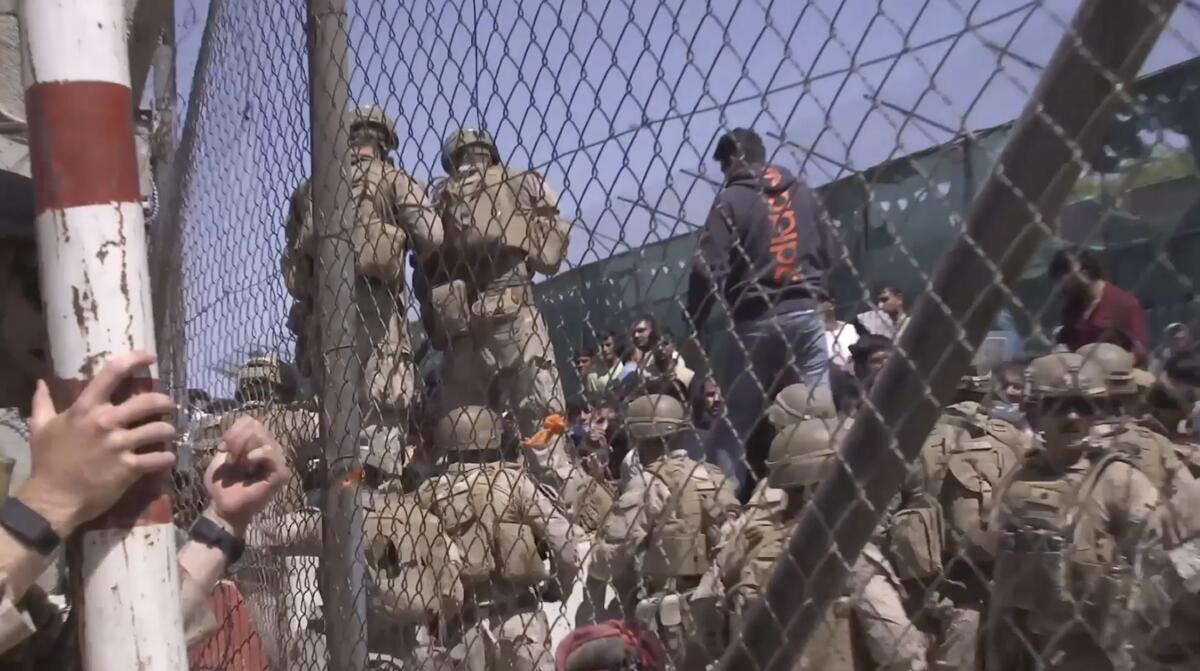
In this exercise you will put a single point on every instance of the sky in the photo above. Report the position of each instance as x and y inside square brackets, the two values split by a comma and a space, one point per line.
[613, 101]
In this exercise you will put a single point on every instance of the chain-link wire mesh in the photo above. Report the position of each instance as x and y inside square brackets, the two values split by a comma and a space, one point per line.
[516, 292]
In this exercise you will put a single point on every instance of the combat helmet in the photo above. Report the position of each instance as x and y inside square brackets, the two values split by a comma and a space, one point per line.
[375, 116]
[801, 455]
[1118, 364]
[974, 385]
[465, 137]
[655, 416]
[259, 370]
[795, 403]
[470, 427]
[1064, 374]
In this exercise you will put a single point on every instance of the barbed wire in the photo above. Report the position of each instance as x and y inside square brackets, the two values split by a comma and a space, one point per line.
[539, 444]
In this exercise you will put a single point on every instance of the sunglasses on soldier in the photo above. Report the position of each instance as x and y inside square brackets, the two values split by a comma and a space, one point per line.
[1061, 406]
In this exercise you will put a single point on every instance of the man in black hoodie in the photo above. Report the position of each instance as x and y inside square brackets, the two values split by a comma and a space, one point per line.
[764, 254]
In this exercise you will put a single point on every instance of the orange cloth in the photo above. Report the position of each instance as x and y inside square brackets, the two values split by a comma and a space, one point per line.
[554, 425]
[236, 645]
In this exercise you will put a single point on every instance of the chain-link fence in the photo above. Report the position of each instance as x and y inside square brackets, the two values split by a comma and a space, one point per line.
[529, 319]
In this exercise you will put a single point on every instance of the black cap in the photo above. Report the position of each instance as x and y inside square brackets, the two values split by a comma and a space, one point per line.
[740, 143]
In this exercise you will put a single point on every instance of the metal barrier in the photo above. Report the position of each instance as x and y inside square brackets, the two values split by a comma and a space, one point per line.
[523, 310]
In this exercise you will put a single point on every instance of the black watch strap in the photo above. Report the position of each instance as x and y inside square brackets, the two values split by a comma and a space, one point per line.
[208, 532]
[27, 526]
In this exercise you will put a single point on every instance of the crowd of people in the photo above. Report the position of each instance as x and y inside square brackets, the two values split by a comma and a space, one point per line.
[1049, 522]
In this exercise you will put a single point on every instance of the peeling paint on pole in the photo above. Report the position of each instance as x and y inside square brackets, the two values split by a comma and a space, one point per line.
[96, 291]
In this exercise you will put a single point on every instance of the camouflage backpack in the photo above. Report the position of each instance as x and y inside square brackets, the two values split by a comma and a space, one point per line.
[677, 546]
[414, 566]
[378, 239]
[476, 508]
[481, 209]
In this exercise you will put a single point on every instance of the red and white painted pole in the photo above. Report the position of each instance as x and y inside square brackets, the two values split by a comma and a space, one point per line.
[95, 286]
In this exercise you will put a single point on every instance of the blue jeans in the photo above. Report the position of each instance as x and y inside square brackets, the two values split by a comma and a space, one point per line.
[762, 357]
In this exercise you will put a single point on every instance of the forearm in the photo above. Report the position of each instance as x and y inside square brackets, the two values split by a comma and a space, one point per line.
[200, 568]
[23, 565]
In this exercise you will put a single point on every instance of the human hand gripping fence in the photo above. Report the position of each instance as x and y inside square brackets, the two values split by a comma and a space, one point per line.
[732, 323]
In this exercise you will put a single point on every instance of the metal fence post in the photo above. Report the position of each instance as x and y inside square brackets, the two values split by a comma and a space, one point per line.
[168, 307]
[1014, 210]
[342, 569]
[96, 292]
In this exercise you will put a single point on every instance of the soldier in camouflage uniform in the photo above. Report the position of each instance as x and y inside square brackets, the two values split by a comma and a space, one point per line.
[867, 627]
[1065, 529]
[1170, 407]
[1151, 451]
[587, 493]
[502, 226]
[936, 540]
[413, 566]
[662, 535]
[503, 522]
[392, 217]
[793, 404]
[1167, 603]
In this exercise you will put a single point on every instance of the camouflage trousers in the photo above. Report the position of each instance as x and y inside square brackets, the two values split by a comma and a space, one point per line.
[384, 351]
[958, 618]
[1015, 643]
[506, 362]
[389, 375]
[511, 642]
[888, 633]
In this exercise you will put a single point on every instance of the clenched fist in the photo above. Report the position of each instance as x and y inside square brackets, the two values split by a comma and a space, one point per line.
[247, 471]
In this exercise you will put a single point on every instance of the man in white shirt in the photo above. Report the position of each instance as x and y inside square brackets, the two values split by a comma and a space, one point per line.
[665, 362]
[607, 368]
[839, 336]
[888, 318]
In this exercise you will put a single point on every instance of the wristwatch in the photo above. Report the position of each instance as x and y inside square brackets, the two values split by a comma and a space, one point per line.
[28, 527]
[208, 532]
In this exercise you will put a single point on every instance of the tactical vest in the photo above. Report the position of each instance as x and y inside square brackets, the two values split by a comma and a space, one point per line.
[677, 545]
[476, 509]
[1047, 563]
[593, 503]
[412, 563]
[378, 239]
[1148, 450]
[482, 209]
[835, 645]
[967, 457]
[975, 468]
[482, 212]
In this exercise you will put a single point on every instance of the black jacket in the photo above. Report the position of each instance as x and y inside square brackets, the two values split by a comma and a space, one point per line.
[764, 246]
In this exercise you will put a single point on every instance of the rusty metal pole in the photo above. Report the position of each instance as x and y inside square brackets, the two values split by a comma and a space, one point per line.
[96, 292]
[342, 559]
[1014, 211]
